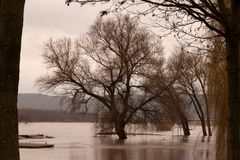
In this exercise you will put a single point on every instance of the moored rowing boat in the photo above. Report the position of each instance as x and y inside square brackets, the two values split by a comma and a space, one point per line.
[35, 145]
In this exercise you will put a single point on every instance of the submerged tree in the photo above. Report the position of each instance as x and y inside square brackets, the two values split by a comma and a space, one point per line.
[172, 104]
[192, 82]
[109, 65]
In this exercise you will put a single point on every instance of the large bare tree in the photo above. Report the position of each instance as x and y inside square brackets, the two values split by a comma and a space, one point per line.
[109, 65]
[223, 18]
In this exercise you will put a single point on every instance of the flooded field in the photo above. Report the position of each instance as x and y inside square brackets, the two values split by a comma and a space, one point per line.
[76, 141]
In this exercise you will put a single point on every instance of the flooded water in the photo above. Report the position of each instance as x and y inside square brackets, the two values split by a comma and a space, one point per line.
[76, 141]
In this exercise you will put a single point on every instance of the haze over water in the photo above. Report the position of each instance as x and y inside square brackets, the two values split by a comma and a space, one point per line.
[76, 141]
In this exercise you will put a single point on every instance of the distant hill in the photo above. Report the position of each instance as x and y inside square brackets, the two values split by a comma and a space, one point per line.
[41, 102]
[31, 104]
[46, 102]
[33, 115]
[43, 108]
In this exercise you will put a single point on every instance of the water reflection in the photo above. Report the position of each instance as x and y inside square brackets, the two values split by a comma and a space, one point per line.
[127, 151]
[76, 142]
[141, 154]
[203, 154]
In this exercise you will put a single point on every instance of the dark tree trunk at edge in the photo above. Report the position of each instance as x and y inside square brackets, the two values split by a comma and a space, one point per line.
[233, 71]
[233, 102]
[233, 139]
[11, 23]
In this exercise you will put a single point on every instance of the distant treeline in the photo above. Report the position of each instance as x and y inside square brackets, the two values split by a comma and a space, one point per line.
[32, 115]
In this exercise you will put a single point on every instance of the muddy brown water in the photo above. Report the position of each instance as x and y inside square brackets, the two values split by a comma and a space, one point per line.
[76, 141]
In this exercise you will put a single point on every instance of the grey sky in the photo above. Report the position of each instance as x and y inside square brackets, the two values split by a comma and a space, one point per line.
[46, 19]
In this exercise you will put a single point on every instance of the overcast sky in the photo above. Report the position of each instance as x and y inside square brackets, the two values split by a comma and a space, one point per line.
[44, 19]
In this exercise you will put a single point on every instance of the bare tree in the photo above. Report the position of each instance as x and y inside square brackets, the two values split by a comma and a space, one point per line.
[192, 82]
[172, 104]
[108, 65]
[175, 105]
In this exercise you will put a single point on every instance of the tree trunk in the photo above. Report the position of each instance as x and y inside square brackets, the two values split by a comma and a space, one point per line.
[183, 120]
[208, 121]
[185, 127]
[180, 113]
[233, 139]
[233, 71]
[233, 136]
[11, 23]
[199, 113]
[207, 108]
[120, 128]
[203, 127]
